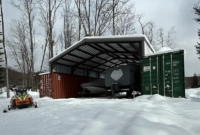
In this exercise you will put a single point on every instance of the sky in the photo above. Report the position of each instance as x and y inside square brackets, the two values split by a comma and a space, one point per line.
[164, 13]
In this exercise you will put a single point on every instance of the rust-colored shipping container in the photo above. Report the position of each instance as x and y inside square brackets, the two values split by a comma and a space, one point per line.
[45, 85]
[63, 85]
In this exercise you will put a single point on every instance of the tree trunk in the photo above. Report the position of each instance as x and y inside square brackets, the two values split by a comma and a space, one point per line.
[43, 56]
[79, 11]
[50, 32]
[89, 20]
[32, 61]
[113, 17]
[6, 62]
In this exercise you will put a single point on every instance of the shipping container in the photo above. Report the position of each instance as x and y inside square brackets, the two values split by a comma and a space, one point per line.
[58, 85]
[163, 74]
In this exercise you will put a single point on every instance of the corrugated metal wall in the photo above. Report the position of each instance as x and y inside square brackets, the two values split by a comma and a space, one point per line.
[67, 86]
[45, 85]
[63, 85]
[62, 69]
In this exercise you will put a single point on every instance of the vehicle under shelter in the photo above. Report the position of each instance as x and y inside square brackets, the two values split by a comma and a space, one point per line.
[113, 60]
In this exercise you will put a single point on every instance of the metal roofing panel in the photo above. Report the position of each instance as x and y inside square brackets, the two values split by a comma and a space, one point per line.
[90, 63]
[116, 47]
[128, 47]
[81, 54]
[104, 56]
[73, 58]
[106, 47]
[66, 62]
[89, 49]
[107, 64]
[102, 66]
[95, 59]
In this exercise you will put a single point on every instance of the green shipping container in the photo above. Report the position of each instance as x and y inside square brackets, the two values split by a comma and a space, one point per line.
[164, 74]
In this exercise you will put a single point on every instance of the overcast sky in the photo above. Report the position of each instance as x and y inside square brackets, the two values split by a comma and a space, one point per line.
[164, 13]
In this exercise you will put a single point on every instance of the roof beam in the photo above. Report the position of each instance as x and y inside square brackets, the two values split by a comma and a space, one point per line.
[69, 66]
[131, 44]
[114, 49]
[78, 63]
[81, 58]
[106, 61]
[94, 47]
[120, 52]
[126, 50]
[106, 50]
[84, 52]
[112, 42]
[85, 60]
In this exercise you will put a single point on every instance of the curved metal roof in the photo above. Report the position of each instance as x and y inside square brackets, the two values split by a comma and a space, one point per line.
[102, 52]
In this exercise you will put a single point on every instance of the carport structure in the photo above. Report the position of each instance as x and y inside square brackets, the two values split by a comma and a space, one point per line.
[90, 57]
[96, 54]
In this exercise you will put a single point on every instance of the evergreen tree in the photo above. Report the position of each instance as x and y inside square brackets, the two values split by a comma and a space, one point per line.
[197, 12]
[195, 83]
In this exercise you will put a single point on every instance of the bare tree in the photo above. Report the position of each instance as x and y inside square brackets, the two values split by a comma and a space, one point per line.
[45, 48]
[48, 12]
[113, 16]
[69, 31]
[18, 42]
[170, 39]
[95, 16]
[125, 19]
[150, 33]
[143, 26]
[28, 9]
[4, 47]
[160, 37]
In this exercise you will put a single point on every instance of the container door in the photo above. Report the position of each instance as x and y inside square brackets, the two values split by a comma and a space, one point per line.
[167, 85]
[145, 73]
[178, 75]
[154, 73]
[150, 76]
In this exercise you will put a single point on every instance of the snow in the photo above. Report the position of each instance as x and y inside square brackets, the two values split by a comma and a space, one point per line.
[167, 50]
[44, 73]
[147, 114]
[163, 49]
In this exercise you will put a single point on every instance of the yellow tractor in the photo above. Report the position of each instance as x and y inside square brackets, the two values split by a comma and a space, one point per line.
[21, 99]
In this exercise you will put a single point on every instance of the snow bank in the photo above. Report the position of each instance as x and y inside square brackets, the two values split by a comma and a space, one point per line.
[151, 98]
[4, 94]
[192, 93]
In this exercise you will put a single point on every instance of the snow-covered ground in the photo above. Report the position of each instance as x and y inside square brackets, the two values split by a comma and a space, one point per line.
[144, 115]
